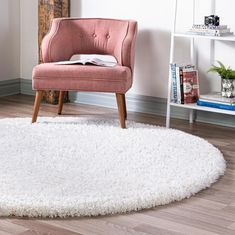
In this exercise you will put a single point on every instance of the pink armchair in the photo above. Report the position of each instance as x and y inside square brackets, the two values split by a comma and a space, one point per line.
[70, 36]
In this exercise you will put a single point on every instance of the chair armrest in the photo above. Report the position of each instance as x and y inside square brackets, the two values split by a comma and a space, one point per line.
[56, 45]
[128, 47]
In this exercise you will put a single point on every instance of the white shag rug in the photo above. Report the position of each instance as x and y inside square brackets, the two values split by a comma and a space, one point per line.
[62, 167]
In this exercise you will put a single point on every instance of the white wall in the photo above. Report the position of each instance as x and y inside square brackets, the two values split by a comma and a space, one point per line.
[9, 40]
[153, 42]
[28, 37]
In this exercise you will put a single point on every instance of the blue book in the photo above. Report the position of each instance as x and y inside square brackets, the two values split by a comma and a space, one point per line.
[215, 105]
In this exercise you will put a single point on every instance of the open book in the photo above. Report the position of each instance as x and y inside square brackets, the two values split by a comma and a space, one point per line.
[88, 61]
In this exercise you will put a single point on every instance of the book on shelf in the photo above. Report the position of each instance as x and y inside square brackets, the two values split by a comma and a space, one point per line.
[203, 26]
[179, 74]
[179, 84]
[217, 98]
[213, 34]
[204, 30]
[173, 83]
[214, 104]
[212, 31]
[190, 86]
[87, 61]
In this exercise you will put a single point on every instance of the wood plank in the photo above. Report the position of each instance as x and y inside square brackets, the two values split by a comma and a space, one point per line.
[188, 218]
[232, 226]
[153, 230]
[6, 227]
[37, 227]
[171, 225]
[92, 226]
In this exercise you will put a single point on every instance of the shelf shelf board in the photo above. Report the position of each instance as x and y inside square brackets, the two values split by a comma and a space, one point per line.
[203, 108]
[224, 38]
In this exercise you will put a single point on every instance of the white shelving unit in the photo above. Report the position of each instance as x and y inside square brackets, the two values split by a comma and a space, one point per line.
[192, 107]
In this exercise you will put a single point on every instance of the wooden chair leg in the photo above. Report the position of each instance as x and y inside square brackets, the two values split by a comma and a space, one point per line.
[121, 109]
[61, 101]
[124, 104]
[37, 102]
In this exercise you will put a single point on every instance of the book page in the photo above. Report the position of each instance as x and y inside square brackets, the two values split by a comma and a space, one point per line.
[99, 62]
[88, 61]
[67, 62]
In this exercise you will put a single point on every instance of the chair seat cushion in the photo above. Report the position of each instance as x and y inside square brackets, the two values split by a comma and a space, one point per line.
[50, 76]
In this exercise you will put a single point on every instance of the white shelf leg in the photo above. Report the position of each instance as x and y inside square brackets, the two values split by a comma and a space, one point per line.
[168, 112]
[191, 116]
[212, 42]
[193, 58]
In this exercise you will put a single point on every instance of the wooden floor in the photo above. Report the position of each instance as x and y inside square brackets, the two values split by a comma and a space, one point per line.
[211, 211]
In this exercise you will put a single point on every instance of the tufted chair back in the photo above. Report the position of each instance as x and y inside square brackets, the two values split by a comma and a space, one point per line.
[70, 36]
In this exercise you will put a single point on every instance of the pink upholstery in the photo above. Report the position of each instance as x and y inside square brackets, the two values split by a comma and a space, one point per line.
[69, 36]
[82, 78]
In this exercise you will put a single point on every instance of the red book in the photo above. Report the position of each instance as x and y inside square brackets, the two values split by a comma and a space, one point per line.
[190, 86]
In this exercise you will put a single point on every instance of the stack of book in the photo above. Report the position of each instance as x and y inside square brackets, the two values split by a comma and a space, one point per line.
[184, 84]
[215, 100]
[204, 30]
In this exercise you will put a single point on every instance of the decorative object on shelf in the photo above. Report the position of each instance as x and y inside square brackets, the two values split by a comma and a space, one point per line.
[227, 79]
[211, 27]
[212, 20]
[47, 11]
[228, 87]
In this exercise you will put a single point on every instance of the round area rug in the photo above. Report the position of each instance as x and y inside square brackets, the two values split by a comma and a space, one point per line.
[62, 167]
